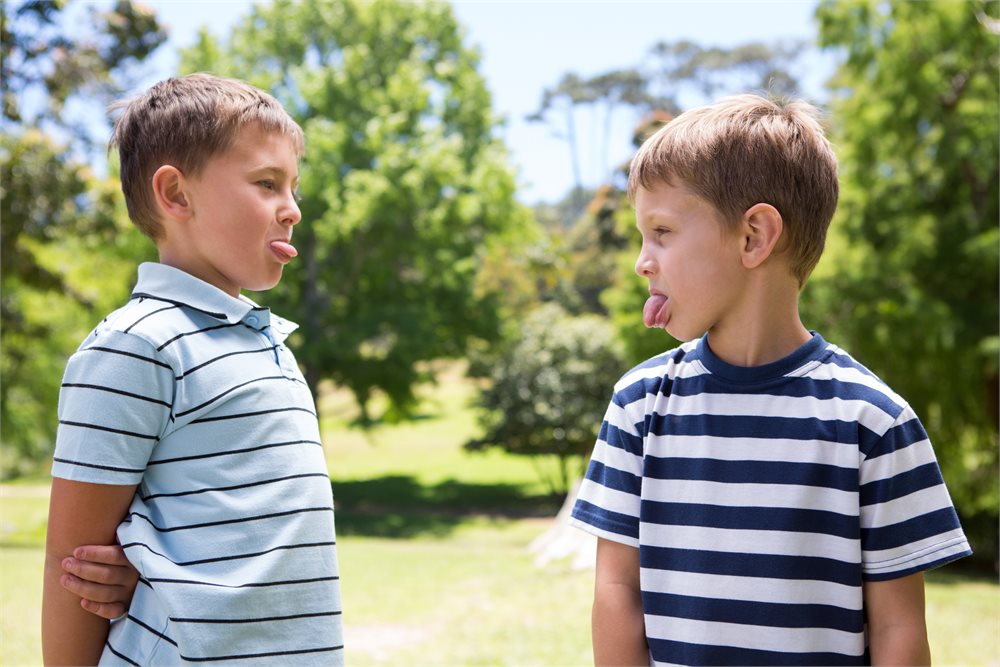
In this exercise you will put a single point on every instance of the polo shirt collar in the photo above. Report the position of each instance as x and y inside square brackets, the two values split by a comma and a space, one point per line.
[173, 285]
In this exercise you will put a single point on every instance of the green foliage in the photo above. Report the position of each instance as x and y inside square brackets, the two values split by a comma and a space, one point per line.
[914, 292]
[67, 248]
[405, 189]
[550, 387]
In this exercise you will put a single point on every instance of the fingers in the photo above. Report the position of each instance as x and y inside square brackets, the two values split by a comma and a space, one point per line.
[108, 610]
[106, 554]
[89, 591]
[113, 575]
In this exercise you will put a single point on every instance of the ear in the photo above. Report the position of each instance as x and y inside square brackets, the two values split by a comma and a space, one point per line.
[761, 230]
[168, 190]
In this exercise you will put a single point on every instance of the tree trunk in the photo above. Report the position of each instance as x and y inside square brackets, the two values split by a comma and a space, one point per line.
[562, 540]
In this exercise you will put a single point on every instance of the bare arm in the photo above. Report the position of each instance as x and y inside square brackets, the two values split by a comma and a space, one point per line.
[619, 630]
[79, 513]
[102, 577]
[897, 632]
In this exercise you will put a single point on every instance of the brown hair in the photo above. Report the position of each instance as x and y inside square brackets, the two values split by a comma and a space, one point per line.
[184, 122]
[746, 150]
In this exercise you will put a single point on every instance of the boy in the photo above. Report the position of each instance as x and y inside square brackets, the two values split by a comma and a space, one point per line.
[760, 498]
[186, 429]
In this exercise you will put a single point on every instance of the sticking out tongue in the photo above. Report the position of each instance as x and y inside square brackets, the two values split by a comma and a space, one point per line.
[653, 312]
[284, 250]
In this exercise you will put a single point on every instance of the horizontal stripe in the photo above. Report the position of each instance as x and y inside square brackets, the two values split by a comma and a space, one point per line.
[112, 390]
[682, 653]
[234, 487]
[749, 541]
[911, 530]
[255, 584]
[95, 465]
[147, 315]
[266, 619]
[751, 589]
[229, 391]
[750, 518]
[224, 356]
[178, 304]
[219, 559]
[760, 637]
[726, 426]
[270, 654]
[107, 429]
[243, 415]
[768, 566]
[192, 333]
[727, 494]
[757, 472]
[111, 350]
[901, 485]
[614, 479]
[223, 522]
[700, 608]
[607, 520]
[195, 457]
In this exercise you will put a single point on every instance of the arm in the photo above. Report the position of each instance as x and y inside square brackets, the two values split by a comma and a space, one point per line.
[79, 513]
[619, 629]
[102, 578]
[897, 633]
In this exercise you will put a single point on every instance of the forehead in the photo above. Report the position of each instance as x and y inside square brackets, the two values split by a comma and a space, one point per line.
[666, 200]
[257, 148]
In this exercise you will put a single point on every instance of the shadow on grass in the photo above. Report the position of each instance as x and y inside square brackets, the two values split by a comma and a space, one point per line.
[398, 506]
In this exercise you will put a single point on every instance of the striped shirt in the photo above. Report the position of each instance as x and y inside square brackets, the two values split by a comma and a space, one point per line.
[191, 394]
[761, 499]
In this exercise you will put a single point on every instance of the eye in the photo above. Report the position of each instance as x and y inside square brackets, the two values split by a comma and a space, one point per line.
[266, 183]
[660, 231]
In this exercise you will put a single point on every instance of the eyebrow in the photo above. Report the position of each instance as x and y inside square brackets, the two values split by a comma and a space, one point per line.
[274, 170]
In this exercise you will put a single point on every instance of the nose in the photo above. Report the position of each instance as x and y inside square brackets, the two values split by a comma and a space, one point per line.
[644, 264]
[290, 214]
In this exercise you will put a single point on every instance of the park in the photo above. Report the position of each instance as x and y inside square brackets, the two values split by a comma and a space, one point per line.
[461, 343]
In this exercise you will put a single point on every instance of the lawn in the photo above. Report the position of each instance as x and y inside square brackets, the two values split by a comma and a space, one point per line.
[433, 549]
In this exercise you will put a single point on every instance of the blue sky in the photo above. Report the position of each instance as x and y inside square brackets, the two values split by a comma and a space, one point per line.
[528, 46]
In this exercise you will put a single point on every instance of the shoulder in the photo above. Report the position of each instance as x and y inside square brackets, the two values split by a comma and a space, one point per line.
[656, 374]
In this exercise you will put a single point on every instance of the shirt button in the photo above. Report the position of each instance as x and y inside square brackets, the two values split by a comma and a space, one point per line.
[252, 320]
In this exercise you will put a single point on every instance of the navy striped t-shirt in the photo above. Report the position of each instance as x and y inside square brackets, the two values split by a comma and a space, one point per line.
[761, 499]
[191, 394]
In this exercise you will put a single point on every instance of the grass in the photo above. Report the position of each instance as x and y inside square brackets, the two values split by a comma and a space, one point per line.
[433, 551]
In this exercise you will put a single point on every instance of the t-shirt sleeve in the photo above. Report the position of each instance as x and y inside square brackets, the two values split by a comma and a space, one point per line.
[610, 494]
[114, 405]
[908, 522]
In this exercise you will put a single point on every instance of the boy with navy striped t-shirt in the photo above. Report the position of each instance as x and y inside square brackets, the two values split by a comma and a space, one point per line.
[186, 430]
[759, 497]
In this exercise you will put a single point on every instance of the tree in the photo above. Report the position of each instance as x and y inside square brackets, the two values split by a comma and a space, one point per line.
[549, 388]
[404, 186]
[65, 235]
[911, 282]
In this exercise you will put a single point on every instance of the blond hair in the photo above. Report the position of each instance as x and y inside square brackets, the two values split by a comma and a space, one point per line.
[746, 150]
[184, 122]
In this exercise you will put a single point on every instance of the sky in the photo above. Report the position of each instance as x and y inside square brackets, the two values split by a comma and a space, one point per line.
[528, 46]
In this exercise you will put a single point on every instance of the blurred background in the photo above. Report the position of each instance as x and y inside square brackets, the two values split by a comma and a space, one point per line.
[465, 285]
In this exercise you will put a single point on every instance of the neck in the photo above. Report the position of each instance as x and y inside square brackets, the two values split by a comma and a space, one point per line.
[764, 327]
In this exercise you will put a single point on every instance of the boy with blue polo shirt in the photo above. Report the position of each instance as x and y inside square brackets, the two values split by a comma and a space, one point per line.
[186, 430]
[759, 497]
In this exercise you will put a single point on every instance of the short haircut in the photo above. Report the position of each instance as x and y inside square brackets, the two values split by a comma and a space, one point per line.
[184, 122]
[745, 150]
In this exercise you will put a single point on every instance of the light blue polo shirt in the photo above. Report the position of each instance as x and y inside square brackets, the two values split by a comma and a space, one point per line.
[191, 394]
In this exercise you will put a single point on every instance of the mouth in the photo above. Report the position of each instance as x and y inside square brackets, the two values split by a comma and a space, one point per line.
[283, 250]
[654, 312]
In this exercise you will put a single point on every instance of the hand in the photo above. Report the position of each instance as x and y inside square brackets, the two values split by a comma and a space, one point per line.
[102, 577]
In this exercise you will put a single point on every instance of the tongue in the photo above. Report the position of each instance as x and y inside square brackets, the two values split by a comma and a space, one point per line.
[651, 312]
[284, 248]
